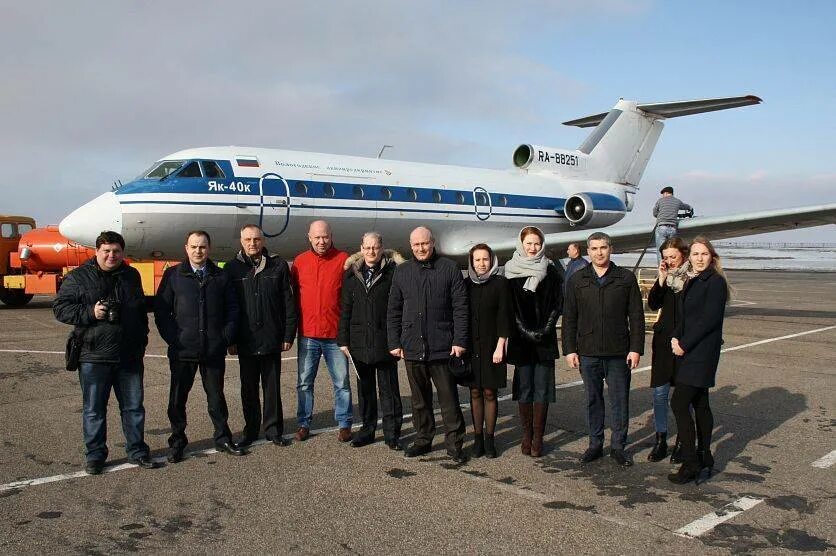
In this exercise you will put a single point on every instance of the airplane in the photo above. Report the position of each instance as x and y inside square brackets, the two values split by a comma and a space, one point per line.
[566, 193]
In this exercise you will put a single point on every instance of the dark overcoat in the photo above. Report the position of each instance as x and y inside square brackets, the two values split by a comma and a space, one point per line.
[535, 317]
[490, 319]
[663, 360]
[267, 306]
[700, 332]
[427, 313]
[198, 319]
[363, 313]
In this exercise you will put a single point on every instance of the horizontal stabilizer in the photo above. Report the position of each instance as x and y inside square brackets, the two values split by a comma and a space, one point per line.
[676, 109]
[628, 238]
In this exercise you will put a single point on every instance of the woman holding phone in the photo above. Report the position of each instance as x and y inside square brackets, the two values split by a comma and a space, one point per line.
[666, 294]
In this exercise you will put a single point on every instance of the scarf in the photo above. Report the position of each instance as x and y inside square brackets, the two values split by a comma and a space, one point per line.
[486, 276]
[679, 276]
[532, 268]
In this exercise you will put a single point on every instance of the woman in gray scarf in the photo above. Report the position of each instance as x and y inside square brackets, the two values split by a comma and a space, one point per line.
[666, 295]
[490, 326]
[537, 300]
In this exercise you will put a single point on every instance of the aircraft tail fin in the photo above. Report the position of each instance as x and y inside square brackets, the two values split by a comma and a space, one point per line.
[623, 140]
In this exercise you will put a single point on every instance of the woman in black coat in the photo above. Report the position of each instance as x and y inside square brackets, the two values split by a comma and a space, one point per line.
[490, 325]
[696, 343]
[537, 300]
[666, 294]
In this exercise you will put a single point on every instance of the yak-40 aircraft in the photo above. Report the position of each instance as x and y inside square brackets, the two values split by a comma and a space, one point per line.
[567, 193]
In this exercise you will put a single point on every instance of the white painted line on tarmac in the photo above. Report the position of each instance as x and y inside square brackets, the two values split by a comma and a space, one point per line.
[710, 521]
[770, 340]
[147, 355]
[111, 469]
[825, 461]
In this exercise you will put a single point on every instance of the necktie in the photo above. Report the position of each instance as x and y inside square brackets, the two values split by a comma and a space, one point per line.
[199, 274]
[369, 274]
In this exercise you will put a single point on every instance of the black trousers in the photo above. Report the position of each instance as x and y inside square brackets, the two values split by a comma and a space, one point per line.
[182, 379]
[386, 374]
[266, 370]
[422, 375]
[685, 396]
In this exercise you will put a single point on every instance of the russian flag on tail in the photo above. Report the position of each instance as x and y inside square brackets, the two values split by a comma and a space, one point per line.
[247, 161]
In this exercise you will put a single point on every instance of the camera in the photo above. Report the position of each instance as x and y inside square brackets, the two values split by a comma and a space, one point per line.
[112, 310]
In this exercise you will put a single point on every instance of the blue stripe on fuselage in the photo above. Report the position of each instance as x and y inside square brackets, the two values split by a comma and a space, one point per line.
[309, 189]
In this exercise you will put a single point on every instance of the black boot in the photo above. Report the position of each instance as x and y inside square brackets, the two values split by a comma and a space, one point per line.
[685, 474]
[490, 448]
[660, 449]
[706, 461]
[676, 453]
[478, 445]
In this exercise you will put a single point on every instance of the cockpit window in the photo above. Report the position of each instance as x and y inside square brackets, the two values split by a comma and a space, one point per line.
[191, 170]
[163, 169]
[211, 169]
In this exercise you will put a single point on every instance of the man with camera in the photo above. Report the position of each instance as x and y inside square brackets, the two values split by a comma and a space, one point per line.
[196, 312]
[103, 299]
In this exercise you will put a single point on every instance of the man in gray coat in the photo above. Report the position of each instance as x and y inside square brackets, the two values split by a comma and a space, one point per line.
[426, 325]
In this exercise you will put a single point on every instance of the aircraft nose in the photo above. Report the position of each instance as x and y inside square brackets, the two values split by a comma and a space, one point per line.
[84, 224]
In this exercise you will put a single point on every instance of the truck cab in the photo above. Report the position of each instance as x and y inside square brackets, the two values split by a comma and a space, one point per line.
[11, 228]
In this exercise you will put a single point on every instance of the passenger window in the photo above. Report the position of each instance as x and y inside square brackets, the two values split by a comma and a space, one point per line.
[460, 198]
[301, 189]
[211, 169]
[411, 194]
[23, 228]
[192, 170]
[503, 200]
[7, 230]
[481, 199]
[328, 190]
[436, 196]
[358, 192]
[386, 193]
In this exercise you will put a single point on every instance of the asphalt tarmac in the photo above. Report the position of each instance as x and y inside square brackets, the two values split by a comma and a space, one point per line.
[773, 487]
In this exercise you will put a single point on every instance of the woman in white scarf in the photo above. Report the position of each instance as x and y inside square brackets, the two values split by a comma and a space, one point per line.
[537, 300]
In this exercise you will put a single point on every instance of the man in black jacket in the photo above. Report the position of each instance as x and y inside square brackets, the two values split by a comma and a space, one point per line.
[196, 312]
[266, 328]
[603, 327]
[362, 337]
[427, 324]
[103, 298]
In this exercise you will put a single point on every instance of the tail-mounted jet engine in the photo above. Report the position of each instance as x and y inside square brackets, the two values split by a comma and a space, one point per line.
[579, 209]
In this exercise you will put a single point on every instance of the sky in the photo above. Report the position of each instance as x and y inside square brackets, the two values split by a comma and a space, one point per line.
[96, 91]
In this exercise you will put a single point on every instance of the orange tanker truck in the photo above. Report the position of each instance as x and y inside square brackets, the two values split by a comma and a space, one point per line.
[34, 261]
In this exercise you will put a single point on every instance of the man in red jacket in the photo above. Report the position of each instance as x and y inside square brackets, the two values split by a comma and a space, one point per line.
[318, 275]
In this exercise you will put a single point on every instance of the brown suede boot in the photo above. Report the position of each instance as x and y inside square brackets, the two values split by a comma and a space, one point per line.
[525, 421]
[539, 425]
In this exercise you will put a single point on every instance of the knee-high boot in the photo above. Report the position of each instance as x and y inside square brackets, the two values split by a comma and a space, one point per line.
[539, 427]
[526, 421]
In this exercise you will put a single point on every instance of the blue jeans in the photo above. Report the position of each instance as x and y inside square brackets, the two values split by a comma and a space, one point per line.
[96, 380]
[660, 407]
[663, 232]
[310, 351]
[594, 371]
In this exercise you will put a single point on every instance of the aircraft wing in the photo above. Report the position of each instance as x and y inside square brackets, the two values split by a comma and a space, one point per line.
[713, 227]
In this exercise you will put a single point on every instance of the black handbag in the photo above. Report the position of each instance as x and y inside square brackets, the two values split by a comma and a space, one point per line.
[461, 370]
[72, 353]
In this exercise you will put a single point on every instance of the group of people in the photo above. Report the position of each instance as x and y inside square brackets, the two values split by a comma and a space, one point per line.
[374, 308]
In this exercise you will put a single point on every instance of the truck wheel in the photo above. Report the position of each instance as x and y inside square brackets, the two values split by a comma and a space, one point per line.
[15, 298]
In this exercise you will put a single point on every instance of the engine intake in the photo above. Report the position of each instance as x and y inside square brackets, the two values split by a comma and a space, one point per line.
[578, 209]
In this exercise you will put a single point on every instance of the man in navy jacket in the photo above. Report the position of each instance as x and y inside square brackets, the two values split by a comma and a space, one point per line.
[196, 313]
